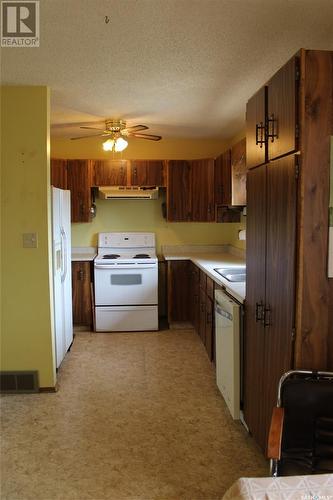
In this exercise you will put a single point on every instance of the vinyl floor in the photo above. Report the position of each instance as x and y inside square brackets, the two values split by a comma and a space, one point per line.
[137, 416]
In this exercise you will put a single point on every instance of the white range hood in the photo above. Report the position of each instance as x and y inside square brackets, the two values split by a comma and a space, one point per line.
[127, 193]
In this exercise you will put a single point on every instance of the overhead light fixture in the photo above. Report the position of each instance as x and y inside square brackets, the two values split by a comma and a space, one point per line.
[117, 145]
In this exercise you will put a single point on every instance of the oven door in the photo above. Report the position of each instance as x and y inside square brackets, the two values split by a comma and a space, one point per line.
[125, 285]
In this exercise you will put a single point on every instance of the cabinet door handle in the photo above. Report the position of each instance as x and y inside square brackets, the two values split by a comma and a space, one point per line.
[80, 275]
[271, 132]
[267, 319]
[260, 127]
[259, 311]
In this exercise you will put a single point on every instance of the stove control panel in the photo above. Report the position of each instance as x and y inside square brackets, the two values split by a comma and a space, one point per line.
[126, 240]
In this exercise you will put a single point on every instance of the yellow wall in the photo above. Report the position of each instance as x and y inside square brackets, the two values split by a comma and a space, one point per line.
[138, 149]
[27, 329]
[146, 215]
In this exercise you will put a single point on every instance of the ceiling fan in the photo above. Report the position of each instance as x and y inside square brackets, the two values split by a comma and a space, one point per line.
[115, 131]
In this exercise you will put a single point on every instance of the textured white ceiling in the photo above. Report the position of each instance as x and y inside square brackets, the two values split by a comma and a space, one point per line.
[185, 68]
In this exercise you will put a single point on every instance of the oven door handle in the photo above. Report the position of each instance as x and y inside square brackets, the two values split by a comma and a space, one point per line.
[125, 266]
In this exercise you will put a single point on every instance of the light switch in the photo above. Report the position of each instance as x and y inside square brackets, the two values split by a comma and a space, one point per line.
[30, 240]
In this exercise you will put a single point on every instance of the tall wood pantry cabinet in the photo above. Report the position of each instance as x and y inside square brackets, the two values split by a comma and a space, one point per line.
[289, 299]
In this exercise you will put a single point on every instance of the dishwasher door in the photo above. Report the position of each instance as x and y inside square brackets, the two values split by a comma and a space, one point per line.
[227, 338]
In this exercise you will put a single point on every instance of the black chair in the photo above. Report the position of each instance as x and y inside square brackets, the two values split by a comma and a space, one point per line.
[301, 433]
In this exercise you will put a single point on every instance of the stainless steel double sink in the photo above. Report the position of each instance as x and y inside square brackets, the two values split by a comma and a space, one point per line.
[232, 274]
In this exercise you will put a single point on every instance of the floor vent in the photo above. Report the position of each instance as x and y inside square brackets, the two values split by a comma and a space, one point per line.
[19, 382]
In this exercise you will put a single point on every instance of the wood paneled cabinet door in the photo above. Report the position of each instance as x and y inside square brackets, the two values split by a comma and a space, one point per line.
[256, 129]
[238, 173]
[179, 200]
[203, 190]
[209, 323]
[59, 173]
[79, 184]
[178, 291]
[147, 173]
[194, 296]
[81, 280]
[282, 120]
[270, 289]
[223, 179]
[109, 172]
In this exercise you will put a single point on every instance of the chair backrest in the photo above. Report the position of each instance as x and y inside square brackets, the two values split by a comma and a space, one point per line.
[307, 440]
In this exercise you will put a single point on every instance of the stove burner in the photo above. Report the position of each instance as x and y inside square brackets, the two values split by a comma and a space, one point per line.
[111, 256]
[141, 256]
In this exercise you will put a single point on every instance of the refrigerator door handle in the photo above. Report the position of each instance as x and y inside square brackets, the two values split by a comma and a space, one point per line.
[63, 254]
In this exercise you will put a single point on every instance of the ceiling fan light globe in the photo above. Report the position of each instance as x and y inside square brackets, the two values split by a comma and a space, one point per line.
[108, 145]
[120, 144]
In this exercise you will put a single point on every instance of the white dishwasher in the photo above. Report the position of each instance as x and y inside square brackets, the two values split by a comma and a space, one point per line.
[228, 350]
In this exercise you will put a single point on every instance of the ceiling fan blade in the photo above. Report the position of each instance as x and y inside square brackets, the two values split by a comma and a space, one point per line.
[150, 137]
[86, 136]
[135, 128]
[93, 128]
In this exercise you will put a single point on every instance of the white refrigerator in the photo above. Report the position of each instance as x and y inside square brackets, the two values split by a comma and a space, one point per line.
[62, 274]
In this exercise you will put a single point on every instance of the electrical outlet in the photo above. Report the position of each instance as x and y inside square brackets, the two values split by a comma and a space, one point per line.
[30, 240]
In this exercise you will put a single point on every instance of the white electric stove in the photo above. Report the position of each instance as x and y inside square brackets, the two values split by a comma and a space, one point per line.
[126, 282]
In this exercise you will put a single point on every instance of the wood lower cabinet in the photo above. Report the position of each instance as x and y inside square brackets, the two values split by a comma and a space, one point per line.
[59, 173]
[178, 291]
[109, 172]
[79, 182]
[147, 173]
[191, 299]
[81, 289]
[194, 296]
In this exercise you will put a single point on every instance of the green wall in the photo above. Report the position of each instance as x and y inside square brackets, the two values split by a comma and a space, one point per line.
[146, 215]
[27, 330]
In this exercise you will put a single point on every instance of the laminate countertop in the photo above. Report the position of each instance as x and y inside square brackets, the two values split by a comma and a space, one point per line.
[208, 258]
[83, 254]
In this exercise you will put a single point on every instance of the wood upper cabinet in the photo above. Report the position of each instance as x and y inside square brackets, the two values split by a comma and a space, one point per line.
[109, 172]
[282, 121]
[203, 190]
[81, 289]
[271, 117]
[147, 173]
[256, 129]
[179, 200]
[190, 193]
[223, 179]
[79, 183]
[238, 173]
[59, 173]
[270, 288]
